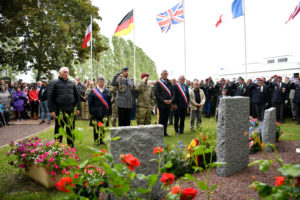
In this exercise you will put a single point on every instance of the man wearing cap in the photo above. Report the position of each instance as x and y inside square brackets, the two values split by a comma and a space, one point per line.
[259, 98]
[222, 86]
[145, 101]
[164, 94]
[180, 104]
[279, 96]
[63, 98]
[124, 97]
[44, 102]
[99, 107]
[240, 87]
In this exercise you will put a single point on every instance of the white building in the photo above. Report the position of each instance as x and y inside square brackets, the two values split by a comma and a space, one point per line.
[284, 66]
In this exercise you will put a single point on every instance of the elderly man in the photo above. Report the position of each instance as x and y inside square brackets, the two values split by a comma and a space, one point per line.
[63, 98]
[164, 94]
[145, 101]
[180, 104]
[197, 100]
[124, 97]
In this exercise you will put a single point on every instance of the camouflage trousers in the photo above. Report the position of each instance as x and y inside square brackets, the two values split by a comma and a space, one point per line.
[143, 116]
[114, 115]
[85, 110]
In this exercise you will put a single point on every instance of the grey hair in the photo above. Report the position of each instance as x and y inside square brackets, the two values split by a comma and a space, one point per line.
[63, 69]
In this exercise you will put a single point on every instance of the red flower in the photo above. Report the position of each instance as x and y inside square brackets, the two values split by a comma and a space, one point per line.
[76, 176]
[65, 184]
[298, 182]
[279, 180]
[277, 123]
[204, 138]
[176, 189]
[167, 178]
[157, 150]
[188, 194]
[281, 132]
[100, 124]
[130, 161]
[85, 184]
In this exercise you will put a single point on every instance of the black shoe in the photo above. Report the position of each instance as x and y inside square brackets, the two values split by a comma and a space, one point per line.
[166, 135]
[42, 122]
[298, 123]
[294, 119]
[181, 132]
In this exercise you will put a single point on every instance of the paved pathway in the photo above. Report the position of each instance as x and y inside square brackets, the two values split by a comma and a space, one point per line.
[18, 130]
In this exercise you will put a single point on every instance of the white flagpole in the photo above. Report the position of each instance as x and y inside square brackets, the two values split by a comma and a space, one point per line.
[245, 40]
[134, 67]
[184, 38]
[91, 47]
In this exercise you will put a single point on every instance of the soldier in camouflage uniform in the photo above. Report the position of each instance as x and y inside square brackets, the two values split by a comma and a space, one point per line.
[114, 115]
[145, 101]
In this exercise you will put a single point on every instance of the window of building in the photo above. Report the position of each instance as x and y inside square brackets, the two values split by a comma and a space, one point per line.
[282, 60]
[271, 61]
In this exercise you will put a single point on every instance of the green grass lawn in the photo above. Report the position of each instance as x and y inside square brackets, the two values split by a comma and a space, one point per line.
[14, 185]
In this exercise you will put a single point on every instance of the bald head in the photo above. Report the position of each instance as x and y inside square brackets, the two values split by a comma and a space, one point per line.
[181, 79]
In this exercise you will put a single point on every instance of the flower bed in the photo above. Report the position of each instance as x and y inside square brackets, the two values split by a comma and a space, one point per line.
[33, 153]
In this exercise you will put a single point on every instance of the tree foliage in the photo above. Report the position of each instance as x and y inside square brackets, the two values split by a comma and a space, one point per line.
[119, 54]
[46, 34]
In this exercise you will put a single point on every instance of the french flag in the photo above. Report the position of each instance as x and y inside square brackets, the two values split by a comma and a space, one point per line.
[236, 11]
[87, 37]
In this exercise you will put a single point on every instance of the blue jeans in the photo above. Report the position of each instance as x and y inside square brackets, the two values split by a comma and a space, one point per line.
[44, 107]
[206, 107]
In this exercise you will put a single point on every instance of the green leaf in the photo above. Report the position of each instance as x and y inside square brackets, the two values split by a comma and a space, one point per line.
[213, 187]
[83, 164]
[168, 165]
[62, 131]
[189, 177]
[109, 157]
[132, 175]
[198, 150]
[265, 165]
[255, 162]
[140, 176]
[142, 190]
[265, 191]
[218, 164]
[202, 185]
[152, 179]
[152, 160]
[197, 169]
[293, 171]
[115, 138]
[78, 135]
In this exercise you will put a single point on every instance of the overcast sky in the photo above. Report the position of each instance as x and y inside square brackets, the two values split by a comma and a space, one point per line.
[208, 48]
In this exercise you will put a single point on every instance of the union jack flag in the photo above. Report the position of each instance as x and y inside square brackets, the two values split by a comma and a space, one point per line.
[171, 16]
[295, 13]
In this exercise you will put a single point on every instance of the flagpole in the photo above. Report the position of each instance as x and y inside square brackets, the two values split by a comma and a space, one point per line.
[245, 40]
[91, 47]
[184, 38]
[134, 67]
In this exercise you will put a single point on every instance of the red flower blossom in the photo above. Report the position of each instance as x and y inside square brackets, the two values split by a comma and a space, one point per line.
[279, 180]
[176, 189]
[167, 178]
[100, 124]
[98, 155]
[130, 161]
[188, 194]
[281, 132]
[277, 123]
[85, 184]
[76, 176]
[157, 150]
[298, 182]
[65, 184]
[204, 138]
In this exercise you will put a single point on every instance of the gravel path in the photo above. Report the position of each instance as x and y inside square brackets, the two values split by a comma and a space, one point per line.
[18, 131]
[236, 187]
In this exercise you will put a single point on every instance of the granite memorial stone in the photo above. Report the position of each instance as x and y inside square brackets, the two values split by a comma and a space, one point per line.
[232, 143]
[269, 128]
[140, 142]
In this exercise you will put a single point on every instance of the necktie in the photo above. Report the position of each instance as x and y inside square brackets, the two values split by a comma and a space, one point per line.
[261, 88]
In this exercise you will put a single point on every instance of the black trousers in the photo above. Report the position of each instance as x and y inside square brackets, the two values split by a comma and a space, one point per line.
[260, 111]
[56, 129]
[279, 111]
[254, 114]
[34, 108]
[163, 118]
[5, 117]
[124, 115]
[98, 136]
[179, 114]
[298, 112]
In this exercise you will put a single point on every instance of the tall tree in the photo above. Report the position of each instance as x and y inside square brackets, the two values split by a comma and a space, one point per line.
[49, 34]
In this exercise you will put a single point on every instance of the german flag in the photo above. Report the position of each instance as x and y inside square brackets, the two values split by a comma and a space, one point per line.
[126, 25]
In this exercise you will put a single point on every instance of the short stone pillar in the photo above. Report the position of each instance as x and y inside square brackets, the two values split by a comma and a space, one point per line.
[232, 143]
[269, 128]
[140, 142]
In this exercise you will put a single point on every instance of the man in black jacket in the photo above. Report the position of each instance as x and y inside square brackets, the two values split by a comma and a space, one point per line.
[44, 102]
[180, 104]
[208, 89]
[259, 98]
[240, 87]
[63, 97]
[164, 93]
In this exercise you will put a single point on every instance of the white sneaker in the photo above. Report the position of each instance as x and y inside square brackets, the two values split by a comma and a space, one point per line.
[22, 120]
[18, 120]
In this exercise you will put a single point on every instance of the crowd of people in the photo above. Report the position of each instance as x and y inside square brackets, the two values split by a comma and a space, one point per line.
[120, 99]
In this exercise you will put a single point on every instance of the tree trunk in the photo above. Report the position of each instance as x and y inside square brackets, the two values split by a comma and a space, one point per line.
[38, 77]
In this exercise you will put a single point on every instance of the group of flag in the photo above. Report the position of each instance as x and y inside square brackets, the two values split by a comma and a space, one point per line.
[172, 16]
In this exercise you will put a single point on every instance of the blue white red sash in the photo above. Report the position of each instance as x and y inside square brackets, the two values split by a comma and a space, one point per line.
[182, 93]
[165, 87]
[101, 97]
